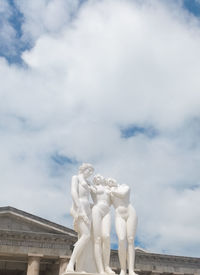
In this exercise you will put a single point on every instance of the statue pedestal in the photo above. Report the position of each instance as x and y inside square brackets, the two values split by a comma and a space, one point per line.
[86, 273]
[79, 273]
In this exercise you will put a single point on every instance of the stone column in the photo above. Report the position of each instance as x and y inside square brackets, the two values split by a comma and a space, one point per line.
[63, 264]
[33, 264]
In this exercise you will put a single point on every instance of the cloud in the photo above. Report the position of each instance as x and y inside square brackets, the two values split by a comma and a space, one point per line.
[113, 65]
[42, 17]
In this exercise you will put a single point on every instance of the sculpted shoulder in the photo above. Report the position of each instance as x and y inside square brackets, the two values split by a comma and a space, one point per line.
[125, 186]
[74, 180]
[75, 177]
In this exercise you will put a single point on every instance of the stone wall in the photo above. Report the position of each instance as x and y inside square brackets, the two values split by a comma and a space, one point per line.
[29, 243]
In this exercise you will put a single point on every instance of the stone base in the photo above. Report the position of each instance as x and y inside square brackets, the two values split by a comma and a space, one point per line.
[79, 273]
[85, 273]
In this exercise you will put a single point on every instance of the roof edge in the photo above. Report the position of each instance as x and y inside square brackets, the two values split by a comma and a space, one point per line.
[39, 220]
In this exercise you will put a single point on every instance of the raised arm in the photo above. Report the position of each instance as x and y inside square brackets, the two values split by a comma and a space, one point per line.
[120, 191]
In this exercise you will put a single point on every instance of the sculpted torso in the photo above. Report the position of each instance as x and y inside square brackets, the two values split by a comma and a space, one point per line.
[121, 200]
[83, 191]
[101, 196]
[122, 195]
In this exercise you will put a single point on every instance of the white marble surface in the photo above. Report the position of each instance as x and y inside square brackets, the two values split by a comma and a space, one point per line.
[92, 221]
[81, 211]
[101, 222]
[125, 224]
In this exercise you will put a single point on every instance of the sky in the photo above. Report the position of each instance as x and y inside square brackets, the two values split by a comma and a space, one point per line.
[114, 83]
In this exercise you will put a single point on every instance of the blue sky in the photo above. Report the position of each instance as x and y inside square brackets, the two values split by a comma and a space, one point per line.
[15, 20]
[114, 83]
[133, 130]
[192, 6]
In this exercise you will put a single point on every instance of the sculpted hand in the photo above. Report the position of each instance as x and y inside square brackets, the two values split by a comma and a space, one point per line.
[85, 218]
[113, 191]
[93, 189]
[82, 215]
[108, 190]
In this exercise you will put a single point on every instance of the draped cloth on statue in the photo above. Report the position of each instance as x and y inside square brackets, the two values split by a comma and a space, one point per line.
[86, 261]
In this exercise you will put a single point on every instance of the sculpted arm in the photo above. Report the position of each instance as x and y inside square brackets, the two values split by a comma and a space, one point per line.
[120, 191]
[95, 190]
[93, 194]
[74, 191]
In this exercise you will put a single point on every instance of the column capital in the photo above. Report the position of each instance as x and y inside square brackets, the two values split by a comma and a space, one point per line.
[33, 263]
[64, 257]
[35, 255]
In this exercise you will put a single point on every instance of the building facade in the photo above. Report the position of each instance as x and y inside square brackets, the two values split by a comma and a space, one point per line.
[30, 245]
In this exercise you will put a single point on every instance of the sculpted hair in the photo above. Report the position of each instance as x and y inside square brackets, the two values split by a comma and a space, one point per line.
[85, 166]
[98, 176]
[112, 181]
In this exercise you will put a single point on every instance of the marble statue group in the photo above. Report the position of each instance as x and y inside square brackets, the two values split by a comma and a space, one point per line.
[92, 222]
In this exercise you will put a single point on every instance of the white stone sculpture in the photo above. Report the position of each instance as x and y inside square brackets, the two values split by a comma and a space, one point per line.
[81, 212]
[101, 222]
[92, 222]
[125, 223]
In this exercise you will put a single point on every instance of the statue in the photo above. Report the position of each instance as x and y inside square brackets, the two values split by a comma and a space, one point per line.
[125, 223]
[101, 222]
[81, 212]
[92, 222]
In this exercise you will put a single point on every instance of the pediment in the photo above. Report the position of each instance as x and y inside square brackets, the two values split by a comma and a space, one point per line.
[12, 219]
[141, 250]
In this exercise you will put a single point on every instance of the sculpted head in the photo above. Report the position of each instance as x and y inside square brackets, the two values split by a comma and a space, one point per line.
[86, 169]
[111, 182]
[99, 179]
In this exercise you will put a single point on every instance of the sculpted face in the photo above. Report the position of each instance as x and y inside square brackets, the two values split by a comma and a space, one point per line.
[98, 179]
[111, 182]
[88, 172]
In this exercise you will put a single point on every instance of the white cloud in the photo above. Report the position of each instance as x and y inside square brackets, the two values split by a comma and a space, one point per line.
[46, 16]
[115, 64]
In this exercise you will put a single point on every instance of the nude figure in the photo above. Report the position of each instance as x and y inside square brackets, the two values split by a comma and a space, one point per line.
[101, 222]
[81, 211]
[125, 223]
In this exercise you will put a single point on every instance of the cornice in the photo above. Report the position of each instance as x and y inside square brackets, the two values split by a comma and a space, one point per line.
[37, 240]
[26, 235]
[38, 220]
[167, 259]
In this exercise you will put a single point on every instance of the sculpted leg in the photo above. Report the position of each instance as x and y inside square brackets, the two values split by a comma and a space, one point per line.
[131, 231]
[79, 245]
[106, 243]
[96, 220]
[121, 233]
